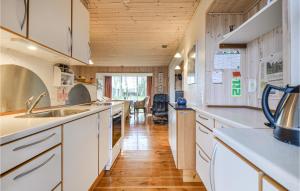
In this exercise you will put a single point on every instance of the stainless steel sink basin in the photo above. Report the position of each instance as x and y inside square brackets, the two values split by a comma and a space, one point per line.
[53, 113]
[97, 104]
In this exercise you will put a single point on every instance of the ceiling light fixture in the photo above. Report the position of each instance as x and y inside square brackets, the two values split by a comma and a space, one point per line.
[193, 55]
[177, 55]
[91, 62]
[31, 47]
[177, 67]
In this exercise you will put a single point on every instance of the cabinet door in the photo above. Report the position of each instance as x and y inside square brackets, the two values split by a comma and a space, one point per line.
[80, 32]
[232, 173]
[41, 173]
[104, 131]
[80, 158]
[50, 24]
[270, 185]
[173, 133]
[14, 15]
[170, 123]
[203, 167]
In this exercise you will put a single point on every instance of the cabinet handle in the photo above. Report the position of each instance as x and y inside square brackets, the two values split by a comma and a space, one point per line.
[71, 39]
[211, 169]
[34, 169]
[202, 130]
[202, 117]
[25, 13]
[203, 157]
[33, 143]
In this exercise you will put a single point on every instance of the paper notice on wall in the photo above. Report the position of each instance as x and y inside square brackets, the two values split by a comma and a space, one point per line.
[251, 85]
[271, 72]
[227, 61]
[217, 77]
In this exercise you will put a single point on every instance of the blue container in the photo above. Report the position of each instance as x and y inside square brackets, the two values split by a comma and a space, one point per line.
[181, 101]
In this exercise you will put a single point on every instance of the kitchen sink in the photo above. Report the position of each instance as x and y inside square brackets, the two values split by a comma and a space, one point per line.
[97, 104]
[53, 113]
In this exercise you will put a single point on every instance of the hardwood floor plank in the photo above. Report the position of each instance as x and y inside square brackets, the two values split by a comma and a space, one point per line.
[146, 162]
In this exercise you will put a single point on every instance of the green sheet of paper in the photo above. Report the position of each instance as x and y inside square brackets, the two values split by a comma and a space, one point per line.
[236, 87]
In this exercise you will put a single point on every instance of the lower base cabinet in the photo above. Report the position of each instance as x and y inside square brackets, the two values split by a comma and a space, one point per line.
[42, 173]
[80, 158]
[104, 137]
[232, 173]
[203, 167]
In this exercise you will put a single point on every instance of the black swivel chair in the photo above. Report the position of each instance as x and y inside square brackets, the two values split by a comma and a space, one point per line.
[160, 108]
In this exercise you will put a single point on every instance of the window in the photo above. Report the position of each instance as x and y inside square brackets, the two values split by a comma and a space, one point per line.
[129, 87]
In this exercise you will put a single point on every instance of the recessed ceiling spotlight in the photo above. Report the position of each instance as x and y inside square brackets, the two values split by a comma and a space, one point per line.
[164, 46]
[177, 67]
[91, 62]
[177, 55]
[31, 47]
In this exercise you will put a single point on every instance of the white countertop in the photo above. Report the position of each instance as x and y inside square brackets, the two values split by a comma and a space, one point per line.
[278, 160]
[12, 128]
[236, 117]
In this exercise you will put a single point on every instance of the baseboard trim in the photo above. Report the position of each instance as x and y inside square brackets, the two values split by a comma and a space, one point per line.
[99, 177]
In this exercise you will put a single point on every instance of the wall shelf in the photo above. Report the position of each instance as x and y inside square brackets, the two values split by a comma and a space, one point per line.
[262, 22]
[62, 79]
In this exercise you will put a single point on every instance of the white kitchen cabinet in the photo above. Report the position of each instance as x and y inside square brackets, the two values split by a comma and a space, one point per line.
[104, 131]
[17, 152]
[205, 120]
[80, 31]
[41, 173]
[173, 132]
[232, 173]
[270, 185]
[13, 15]
[80, 158]
[204, 138]
[203, 167]
[50, 24]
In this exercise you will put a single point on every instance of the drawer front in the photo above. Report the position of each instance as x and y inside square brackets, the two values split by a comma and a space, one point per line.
[204, 138]
[203, 167]
[205, 120]
[17, 152]
[42, 173]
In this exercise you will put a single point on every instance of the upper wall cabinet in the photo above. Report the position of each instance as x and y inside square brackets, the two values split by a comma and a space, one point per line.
[50, 24]
[80, 25]
[14, 15]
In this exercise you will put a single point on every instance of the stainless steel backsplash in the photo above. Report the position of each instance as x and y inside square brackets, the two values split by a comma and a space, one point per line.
[17, 84]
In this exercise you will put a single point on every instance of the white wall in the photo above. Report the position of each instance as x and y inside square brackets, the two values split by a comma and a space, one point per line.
[41, 67]
[294, 14]
[195, 31]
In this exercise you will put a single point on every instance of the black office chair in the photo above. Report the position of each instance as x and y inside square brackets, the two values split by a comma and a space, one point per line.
[160, 108]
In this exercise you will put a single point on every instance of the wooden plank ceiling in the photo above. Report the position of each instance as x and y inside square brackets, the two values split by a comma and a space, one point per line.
[132, 32]
[232, 6]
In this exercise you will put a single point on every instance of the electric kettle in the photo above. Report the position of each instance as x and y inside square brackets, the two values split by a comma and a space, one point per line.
[286, 118]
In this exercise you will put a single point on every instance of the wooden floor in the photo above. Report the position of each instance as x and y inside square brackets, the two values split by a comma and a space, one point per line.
[145, 162]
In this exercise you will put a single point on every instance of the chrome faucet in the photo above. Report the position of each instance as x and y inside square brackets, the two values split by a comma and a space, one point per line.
[30, 104]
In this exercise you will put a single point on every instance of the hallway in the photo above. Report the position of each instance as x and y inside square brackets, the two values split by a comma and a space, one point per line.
[146, 161]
